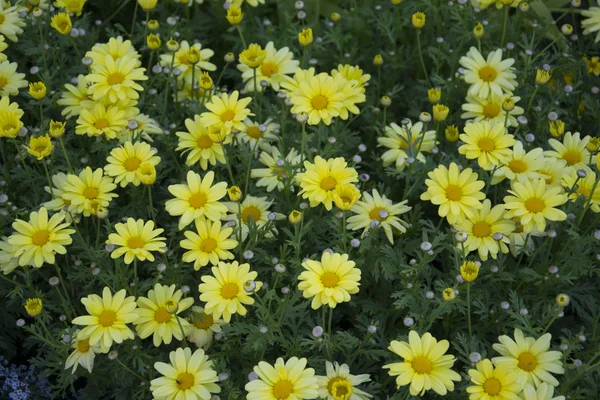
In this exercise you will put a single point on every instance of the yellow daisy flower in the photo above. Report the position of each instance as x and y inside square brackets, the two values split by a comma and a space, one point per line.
[57, 203]
[71, 6]
[493, 75]
[406, 141]
[228, 289]
[493, 384]
[254, 211]
[136, 239]
[572, 150]
[188, 376]
[585, 187]
[10, 118]
[86, 191]
[330, 281]
[117, 48]
[345, 196]
[10, 80]
[456, 192]
[380, 209]
[124, 162]
[12, 24]
[83, 354]
[529, 357]
[320, 179]
[198, 198]
[490, 109]
[481, 227]
[201, 147]
[487, 142]
[553, 170]
[542, 391]
[75, 98]
[101, 120]
[39, 147]
[340, 384]
[182, 60]
[36, 241]
[352, 73]
[483, 4]
[157, 314]
[116, 79]
[278, 169]
[353, 94]
[521, 164]
[286, 380]
[108, 318]
[275, 65]
[253, 3]
[291, 84]
[210, 244]
[534, 203]
[8, 262]
[259, 136]
[145, 127]
[226, 111]
[202, 327]
[591, 24]
[425, 365]
[320, 97]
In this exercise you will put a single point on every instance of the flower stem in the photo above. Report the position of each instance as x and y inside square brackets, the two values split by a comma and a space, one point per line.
[135, 276]
[241, 35]
[48, 178]
[134, 18]
[421, 56]
[182, 331]
[504, 26]
[152, 213]
[469, 309]
[64, 150]
[531, 99]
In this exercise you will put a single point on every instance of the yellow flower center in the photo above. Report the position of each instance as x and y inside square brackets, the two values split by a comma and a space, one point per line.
[453, 193]
[374, 213]
[482, 229]
[583, 191]
[421, 365]
[339, 388]
[527, 361]
[39, 148]
[277, 171]
[204, 321]
[253, 132]
[491, 110]
[198, 200]
[328, 183]
[132, 164]
[185, 381]
[40, 238]
[115, 79]
[492, 386]
[107, 318]
[90, 193]
[330, 279]
[1, 18]
[517, 166]
[488, 74]
[486, 144]
[3, 80]
[229, 291]
[208, 245]
[251, 214]
[534, 205]
[101, 124]
[135, 242]
[268, 69]
[162, 315]
[572, 157]
[319, 102]
[83, 346]
[205, 142]
[228, 115]
[282, 390]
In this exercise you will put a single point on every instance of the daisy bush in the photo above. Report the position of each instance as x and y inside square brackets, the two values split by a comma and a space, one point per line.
[294, 200]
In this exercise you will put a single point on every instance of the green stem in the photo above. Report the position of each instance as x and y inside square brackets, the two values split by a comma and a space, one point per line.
[531, 99]
[421, 56]
[241, 35]
[48, 178]
[550, 323]
[221, 75]
[182, 331]
[135, 276]
[64, 150]
[504, 25]
[469, 309]
[152, 213]
[129, 369]
[133, 20]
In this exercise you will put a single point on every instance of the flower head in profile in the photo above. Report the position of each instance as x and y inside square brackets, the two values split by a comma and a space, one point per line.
[61, 22]
[425, 366]
[487, 142]
[234, 15]
[253, 56]
[34, 306]
[136, 239]
[469, 270]
[305, 37]
[286, 380]
[491, 75]
[37, 90]
[279, 169]
[40, 147]
[340, 384]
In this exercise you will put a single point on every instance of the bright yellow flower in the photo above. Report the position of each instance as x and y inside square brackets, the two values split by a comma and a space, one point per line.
[71, 6]
[352, 73]
[234, 193]
[585, 187]
[488, 142]
[147, 173]
[593, 65]
[285, 380]
[542, 76]
[201, 146]
[451, 133]
[425, 365]
[274, 67]
[75, 98]
[62, 23]
[418, 20]
[124, 162]
[228, 290]
[37, 90]
[253, 56]
[521, 165]
[209, 244]
[117, 48]
[147, 5]
[305, 37]
[40, 147]
[202, 327]
[101, 120]
[136, 239]
[116, 79]
[88, 190]
[469, 270]
[345, 196]
[12, 23]
[10, 118]
[340, 384]
[34, 307]
[557, 128]
[156, 316]
[254, 212]
[493, 384]
[83, 354]
[457, 192]
[10, 80]
[493, 75]
[406, 141]
[440, 112]
[278, 169]
[492, 108]
[226, 111]
[434, 95]
[320, 97]
[36, 241]
[572, 150]
[57, 128]
[196, 199]
[542, 391]
[234, 15]
[153, 42]
[108, 318]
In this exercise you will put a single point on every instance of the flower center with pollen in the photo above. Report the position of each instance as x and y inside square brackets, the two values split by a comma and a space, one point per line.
[107, 318]
[250, 214]
[227, 116]
[83, 346]
[571, 157]
[40, 238]
[229, 291]
[204, 142]
[253, 131]
[482, 229]
[319, 102]
[374, 213]
[486, 144]
[491, 110]
[282, 390]
[90, 193]
[534, 205]
[3, 81]
[421, 365]
[453, 193]
[135, 242]
[132, 164]
[208, 245]
[204, 321]
[161, 315]
[197, 200]
[268, 69]
[517, 166]
[185, 381]
[101, 124]
[527, 361]
[115, 79]
[492, 386]
[329, 279]
[328, 183]
[488, 74]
